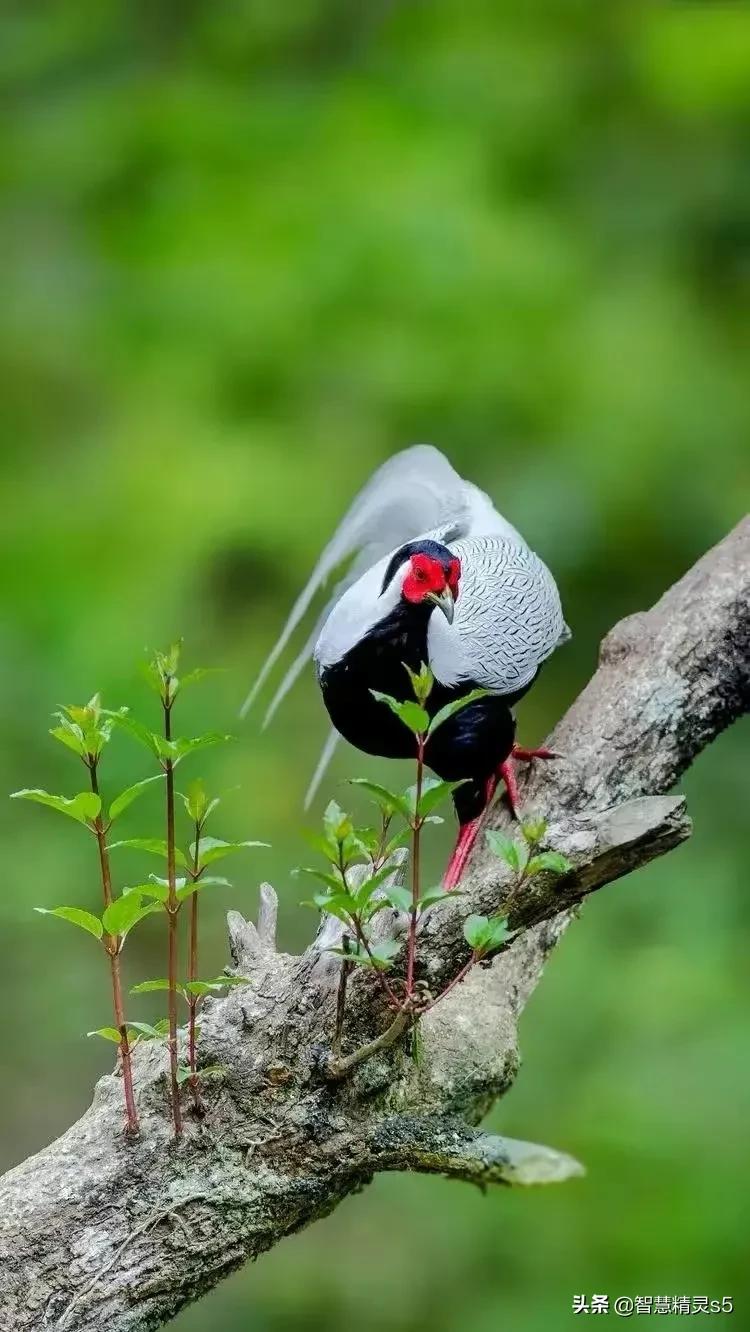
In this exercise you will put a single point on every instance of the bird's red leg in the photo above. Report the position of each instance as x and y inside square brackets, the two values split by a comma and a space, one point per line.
[468, 832]
[508, 773]
[526, 755]
[467, 836]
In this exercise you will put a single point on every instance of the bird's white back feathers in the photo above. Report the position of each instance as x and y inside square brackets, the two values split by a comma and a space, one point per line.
[418, 494]
[508, 618]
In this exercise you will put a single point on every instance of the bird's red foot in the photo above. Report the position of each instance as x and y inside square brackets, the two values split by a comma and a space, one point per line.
[526, 755]
[468, 832]
[507, 770]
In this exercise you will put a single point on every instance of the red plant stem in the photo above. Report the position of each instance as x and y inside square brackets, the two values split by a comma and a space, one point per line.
[173, 907]
[459, 976]
[415, 872]
[111, 944]
[382, 978]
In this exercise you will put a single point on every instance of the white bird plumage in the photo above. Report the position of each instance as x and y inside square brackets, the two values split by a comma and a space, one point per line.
[508, 618]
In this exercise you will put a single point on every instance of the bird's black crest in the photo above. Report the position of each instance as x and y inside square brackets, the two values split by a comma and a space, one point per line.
[431, 548]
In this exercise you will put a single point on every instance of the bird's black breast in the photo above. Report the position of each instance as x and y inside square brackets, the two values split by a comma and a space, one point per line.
[377, 661]
[471, 744]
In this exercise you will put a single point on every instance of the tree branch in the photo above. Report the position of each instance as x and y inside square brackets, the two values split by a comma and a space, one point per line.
[100, 1232]
[447, 1147]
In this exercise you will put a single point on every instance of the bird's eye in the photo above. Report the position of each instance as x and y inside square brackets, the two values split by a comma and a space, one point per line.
[420, 575]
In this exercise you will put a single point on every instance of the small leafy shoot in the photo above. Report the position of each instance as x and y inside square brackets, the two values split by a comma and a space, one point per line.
[83, 807]
[85, 920]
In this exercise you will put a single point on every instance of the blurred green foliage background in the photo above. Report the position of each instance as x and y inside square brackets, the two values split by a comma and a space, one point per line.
[251, 249]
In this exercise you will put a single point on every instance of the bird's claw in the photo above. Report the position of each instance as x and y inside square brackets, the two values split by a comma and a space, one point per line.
[526, 755]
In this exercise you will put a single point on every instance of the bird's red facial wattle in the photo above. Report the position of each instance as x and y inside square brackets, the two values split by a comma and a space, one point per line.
[430, 579]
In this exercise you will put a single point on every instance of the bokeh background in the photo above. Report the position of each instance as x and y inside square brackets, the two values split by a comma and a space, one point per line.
[250, 250]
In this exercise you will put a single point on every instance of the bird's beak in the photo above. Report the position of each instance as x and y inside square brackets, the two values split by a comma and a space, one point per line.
[445, 601]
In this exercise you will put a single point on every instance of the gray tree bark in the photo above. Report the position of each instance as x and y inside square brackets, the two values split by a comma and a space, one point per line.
[100, 1232]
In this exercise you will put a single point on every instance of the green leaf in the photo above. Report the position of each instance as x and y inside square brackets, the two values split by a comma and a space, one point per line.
[340, 905]
[146, 987]
[69, 735]
[382, 954]
[213, 848]
[476, 932]
[437, 894]
[83, 919]
[352, 953]
[398, 896]
[434, 792]
[83, 714]
[197, 803]
[320, 842]
[156, 889]
[82, 728]
[196, 885]
[385, 951]
[397, 840]
[145, 1029]
[149, 739]
[364, 892]
[153, 845]
[131, 793]
[215, 985]
[160, 672]
[391, 802]
[455, 706]
[199, 988]
[107, 1034]
[353, 848]
[421, 681]
[152, 675]
[178, 749]
[166, 749]
[83, 807]
[336, 823]
[549, 860]
[369, 839]
[411, 714]
[533, 830]
[484, 935]
[513, 853]
[498, 932]
[169, 661]
[125, 912]
[332, 881]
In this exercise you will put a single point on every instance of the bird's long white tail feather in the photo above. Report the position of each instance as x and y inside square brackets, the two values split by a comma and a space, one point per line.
[295, 615]
[329, 750]
[292, 675]
[410, 494]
